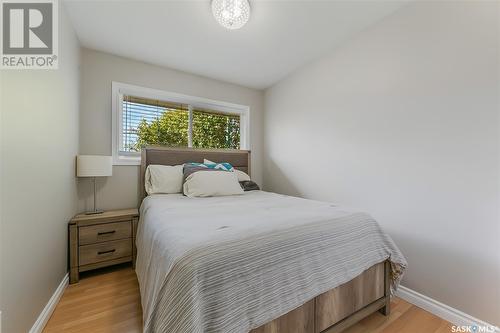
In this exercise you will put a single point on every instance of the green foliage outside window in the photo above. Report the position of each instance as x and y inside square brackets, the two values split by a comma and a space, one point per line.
[210, 130]
[170, 129]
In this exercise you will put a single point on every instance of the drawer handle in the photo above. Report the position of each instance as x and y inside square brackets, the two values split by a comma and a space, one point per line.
[105, 252]
[106, 233]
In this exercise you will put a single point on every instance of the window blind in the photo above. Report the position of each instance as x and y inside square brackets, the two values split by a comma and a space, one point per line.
[146, 114]
[150, 121]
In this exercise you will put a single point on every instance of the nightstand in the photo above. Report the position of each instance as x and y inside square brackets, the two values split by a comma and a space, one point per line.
[101, 240]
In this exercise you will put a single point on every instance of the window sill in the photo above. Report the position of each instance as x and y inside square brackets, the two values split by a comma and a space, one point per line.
[126, 160]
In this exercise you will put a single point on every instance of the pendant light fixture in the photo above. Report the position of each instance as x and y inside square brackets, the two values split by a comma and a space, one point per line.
[231, 14]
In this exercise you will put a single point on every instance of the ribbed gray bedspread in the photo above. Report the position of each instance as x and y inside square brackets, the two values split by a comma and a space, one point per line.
[231, 264]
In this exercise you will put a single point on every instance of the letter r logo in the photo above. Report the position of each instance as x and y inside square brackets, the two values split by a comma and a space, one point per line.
[27, 28]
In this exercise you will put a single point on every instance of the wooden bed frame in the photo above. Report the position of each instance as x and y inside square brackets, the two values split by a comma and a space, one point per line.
[330, 312]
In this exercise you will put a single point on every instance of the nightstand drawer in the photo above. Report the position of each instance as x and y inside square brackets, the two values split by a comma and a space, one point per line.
[104, 232]
[90, 254]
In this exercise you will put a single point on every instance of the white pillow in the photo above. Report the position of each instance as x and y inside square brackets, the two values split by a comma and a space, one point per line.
[212, 184]
[242, 176]
[163, 179]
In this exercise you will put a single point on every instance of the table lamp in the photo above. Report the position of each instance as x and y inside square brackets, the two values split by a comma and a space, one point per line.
[94, 166]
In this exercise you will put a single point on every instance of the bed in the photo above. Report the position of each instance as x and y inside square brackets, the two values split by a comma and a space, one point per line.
[259, 262]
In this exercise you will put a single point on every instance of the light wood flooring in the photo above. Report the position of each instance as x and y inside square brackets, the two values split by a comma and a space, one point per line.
[108, 301]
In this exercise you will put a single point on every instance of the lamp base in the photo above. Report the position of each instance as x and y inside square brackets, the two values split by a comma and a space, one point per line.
[93, 212]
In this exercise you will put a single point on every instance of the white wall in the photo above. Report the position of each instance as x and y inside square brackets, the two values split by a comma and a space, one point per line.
[98, 71]
[403, 122]
[39, 141]
[1, 196]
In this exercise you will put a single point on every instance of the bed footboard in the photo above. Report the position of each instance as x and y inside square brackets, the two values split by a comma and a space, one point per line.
[339, 308]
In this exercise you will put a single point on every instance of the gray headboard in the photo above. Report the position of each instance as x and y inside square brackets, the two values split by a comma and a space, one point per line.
[240, 159]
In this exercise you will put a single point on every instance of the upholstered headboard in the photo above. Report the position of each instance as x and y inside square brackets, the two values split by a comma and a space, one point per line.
[240, 159]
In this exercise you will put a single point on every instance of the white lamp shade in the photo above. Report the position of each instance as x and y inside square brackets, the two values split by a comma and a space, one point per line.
[94, 166]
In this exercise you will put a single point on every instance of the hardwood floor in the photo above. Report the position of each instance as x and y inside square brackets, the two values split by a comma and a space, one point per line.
[103, 301]
[108, 300]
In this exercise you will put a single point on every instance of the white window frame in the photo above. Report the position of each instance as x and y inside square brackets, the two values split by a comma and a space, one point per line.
[118, 90]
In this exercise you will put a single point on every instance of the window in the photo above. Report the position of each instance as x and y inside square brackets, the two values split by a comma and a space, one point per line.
[143, 116]
[149, 121]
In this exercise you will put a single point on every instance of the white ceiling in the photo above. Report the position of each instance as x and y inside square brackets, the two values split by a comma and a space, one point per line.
[280, 37]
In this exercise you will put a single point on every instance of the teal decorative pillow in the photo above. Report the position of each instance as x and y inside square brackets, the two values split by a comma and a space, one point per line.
[216, 166]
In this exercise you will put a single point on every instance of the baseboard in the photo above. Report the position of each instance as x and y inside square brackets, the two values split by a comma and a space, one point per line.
[441, 310]
[43, 318]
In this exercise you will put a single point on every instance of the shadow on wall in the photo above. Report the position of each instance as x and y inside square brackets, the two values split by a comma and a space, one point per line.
[140, 189]
[119, 191]
[275, 180]
[86, 192]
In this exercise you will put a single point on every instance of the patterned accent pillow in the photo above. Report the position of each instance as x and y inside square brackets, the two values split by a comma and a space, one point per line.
[217, 166]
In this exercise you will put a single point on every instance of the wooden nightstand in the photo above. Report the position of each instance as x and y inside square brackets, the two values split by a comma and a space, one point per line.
[101, 240]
